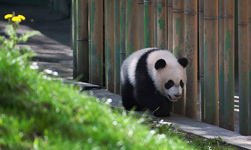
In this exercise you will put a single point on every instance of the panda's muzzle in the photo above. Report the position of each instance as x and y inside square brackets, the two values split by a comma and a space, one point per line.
[174, 99]
[177, 96]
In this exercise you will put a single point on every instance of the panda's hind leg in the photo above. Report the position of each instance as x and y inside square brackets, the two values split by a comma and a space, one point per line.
[128, 99]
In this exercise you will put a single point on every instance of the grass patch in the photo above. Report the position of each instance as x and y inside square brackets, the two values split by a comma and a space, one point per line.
[38, 113]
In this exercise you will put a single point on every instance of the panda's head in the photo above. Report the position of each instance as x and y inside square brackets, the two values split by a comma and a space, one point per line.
[169, 76]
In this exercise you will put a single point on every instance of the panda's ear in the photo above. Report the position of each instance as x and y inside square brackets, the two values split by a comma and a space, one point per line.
[183, 62]
[161, 63]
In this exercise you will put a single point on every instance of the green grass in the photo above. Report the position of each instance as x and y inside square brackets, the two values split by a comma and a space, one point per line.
[38, 113]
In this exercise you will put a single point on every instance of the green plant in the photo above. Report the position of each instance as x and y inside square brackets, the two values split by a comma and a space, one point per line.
[14, 38]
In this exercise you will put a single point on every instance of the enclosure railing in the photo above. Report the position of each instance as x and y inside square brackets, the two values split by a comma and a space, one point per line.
[212, 34]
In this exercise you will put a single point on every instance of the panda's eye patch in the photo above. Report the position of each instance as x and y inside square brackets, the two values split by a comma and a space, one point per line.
[169, 84]
[181, 84]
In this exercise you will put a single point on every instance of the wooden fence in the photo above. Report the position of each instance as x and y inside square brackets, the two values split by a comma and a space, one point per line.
[212, 34]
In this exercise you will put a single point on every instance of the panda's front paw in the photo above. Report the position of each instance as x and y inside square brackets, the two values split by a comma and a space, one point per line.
[161, 113]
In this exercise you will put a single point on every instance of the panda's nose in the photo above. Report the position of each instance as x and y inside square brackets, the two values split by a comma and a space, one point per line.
[177, 95]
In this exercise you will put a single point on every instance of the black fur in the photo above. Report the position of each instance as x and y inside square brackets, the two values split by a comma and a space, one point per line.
[144, 95]
[181, 83]
[161, 63]
[183, 62]
[169, 84]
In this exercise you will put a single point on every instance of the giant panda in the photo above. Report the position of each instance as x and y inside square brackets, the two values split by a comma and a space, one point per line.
[152, 79]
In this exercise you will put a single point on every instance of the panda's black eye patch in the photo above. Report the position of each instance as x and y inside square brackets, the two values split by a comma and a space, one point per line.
[169, 84]
[181, 84]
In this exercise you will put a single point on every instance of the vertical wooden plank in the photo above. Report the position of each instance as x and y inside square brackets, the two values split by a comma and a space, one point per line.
[191, 53]
[249, 59]
[148, 24]
[243, 65]
[89, 35]
[229, 66]
[117, 47]
[166, 22]
[201, 57]
[161, 24]
[155, 23]
[82, 40]
[170, 25]
[236, 36]
[178, 28]
[109, 45]
[221, 62]
[131, 22]
[122, 31]
[141, 23]
[73, 37]
[211, 62]
[96, 52]
[178, 45]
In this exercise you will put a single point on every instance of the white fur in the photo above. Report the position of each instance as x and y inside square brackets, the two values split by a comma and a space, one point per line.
[130, 63]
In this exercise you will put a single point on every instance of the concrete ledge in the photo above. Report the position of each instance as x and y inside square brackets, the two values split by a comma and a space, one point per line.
[115, 99]
[185, 124]
[208, 131]
[84, 86]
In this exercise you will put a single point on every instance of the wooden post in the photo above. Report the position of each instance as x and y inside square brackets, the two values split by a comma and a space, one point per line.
[73, 37]
[201, 57]
[243, 65]
[131, 26]
[122, 31]
[191, 53]
[249, 51]
[178, 45]
[229, 66]
[211, 62]
[117, 47]
[82, 40]
[170, 25]
[96, 52]
[236, 36]
[221, 62]
[148, 24]
[109, 45]
[89, 35]
[155, 23]
[161, 24]
[141, 23]
[166, 23]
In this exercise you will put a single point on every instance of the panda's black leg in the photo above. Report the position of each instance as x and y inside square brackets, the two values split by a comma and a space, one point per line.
[128, 100]
[163, 111]
[158, 104]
